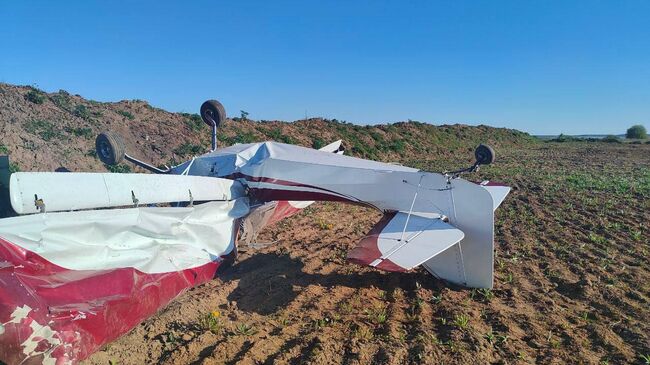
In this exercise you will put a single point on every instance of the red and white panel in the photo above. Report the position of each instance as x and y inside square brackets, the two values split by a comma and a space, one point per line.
[74, 281]
[397, 245]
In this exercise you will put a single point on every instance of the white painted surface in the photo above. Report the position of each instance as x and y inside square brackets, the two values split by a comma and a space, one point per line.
[334, 146]
[498, 193]
[152, 240]
[424, 238]
[64, 191]
[471, 261]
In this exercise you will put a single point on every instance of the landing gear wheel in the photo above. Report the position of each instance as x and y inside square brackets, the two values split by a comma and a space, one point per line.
[110, 148]
[213, 112]
[484, 154]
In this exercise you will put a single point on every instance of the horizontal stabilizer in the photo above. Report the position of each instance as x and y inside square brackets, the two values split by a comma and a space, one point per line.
[390, 247]
[334, 147]
[497, 191]
[31, 192]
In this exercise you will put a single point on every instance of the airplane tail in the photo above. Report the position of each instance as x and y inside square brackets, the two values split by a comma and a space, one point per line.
[457, 246]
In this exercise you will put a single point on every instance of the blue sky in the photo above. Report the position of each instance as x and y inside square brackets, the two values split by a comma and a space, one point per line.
[544, 67]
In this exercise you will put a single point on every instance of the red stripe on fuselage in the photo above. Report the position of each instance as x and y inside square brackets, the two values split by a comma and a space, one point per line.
[275, 181]
[264, 194]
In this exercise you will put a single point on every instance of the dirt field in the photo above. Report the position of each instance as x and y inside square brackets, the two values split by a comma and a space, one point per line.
[572, 282]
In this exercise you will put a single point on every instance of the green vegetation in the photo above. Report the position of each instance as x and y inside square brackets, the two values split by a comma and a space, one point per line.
[461, 321]
[564, 138]
[13, 167]
[352, 135]
[636, 132]
[35, 96]
[4, 150]
[43, 128]
[62, 100]
[119, 168]
[317, 143]
[611, 139]
[485, 295]
[645, 358]
[211, 322]
[84, 112]
[377, 315]
[638, 182]
[277, 135]
[87, 133]
[244, 329]
[193, 122]
[126, 114]
[243, 137]
[189, 149]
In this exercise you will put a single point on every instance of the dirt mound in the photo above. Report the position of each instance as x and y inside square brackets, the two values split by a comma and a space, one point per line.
[45, 131]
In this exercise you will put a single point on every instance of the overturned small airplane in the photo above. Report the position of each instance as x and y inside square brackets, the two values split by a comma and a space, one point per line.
[91, 255]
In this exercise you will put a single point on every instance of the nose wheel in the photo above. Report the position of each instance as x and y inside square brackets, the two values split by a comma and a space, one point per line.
[110, 148]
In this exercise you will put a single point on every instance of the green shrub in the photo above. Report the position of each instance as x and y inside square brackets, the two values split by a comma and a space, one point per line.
[193, 121]
[276, 135]
[3, 149]
[43, 128]
[126, 114]
[636, 132]
[13, 167]
[396, 146]
[317, 143]
[62, 100]
[611, 139]
[119, 168]
[80, 132]
[81, 111]
[244, 137]
[35, 96]
[564, 138]
[188, 149]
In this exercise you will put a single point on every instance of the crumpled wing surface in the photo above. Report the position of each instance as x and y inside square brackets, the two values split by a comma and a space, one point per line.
[74, 281]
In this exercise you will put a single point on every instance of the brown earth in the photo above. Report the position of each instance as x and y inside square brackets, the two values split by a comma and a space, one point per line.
[572, 278]
[572, 283]
[46, 131]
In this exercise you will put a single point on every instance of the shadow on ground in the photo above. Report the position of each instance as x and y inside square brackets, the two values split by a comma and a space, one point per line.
[280, 278]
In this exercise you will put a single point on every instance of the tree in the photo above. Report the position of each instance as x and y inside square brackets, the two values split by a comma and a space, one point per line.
[636, 132]
[244, 114]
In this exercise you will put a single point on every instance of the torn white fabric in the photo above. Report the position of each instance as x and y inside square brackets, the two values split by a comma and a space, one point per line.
[150, 239]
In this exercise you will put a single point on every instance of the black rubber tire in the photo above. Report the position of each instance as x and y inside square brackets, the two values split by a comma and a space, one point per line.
[110, 148]
[212, 110]
[484, 154]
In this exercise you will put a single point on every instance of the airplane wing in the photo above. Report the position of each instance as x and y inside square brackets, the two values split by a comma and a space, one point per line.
[397, 245]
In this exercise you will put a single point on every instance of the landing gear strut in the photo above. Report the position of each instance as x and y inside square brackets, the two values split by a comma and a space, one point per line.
[111, 150]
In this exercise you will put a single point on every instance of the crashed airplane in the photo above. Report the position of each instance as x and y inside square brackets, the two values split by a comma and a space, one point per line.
[88, 256]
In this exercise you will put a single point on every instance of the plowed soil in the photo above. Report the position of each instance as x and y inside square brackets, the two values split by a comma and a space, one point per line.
[572, 281]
